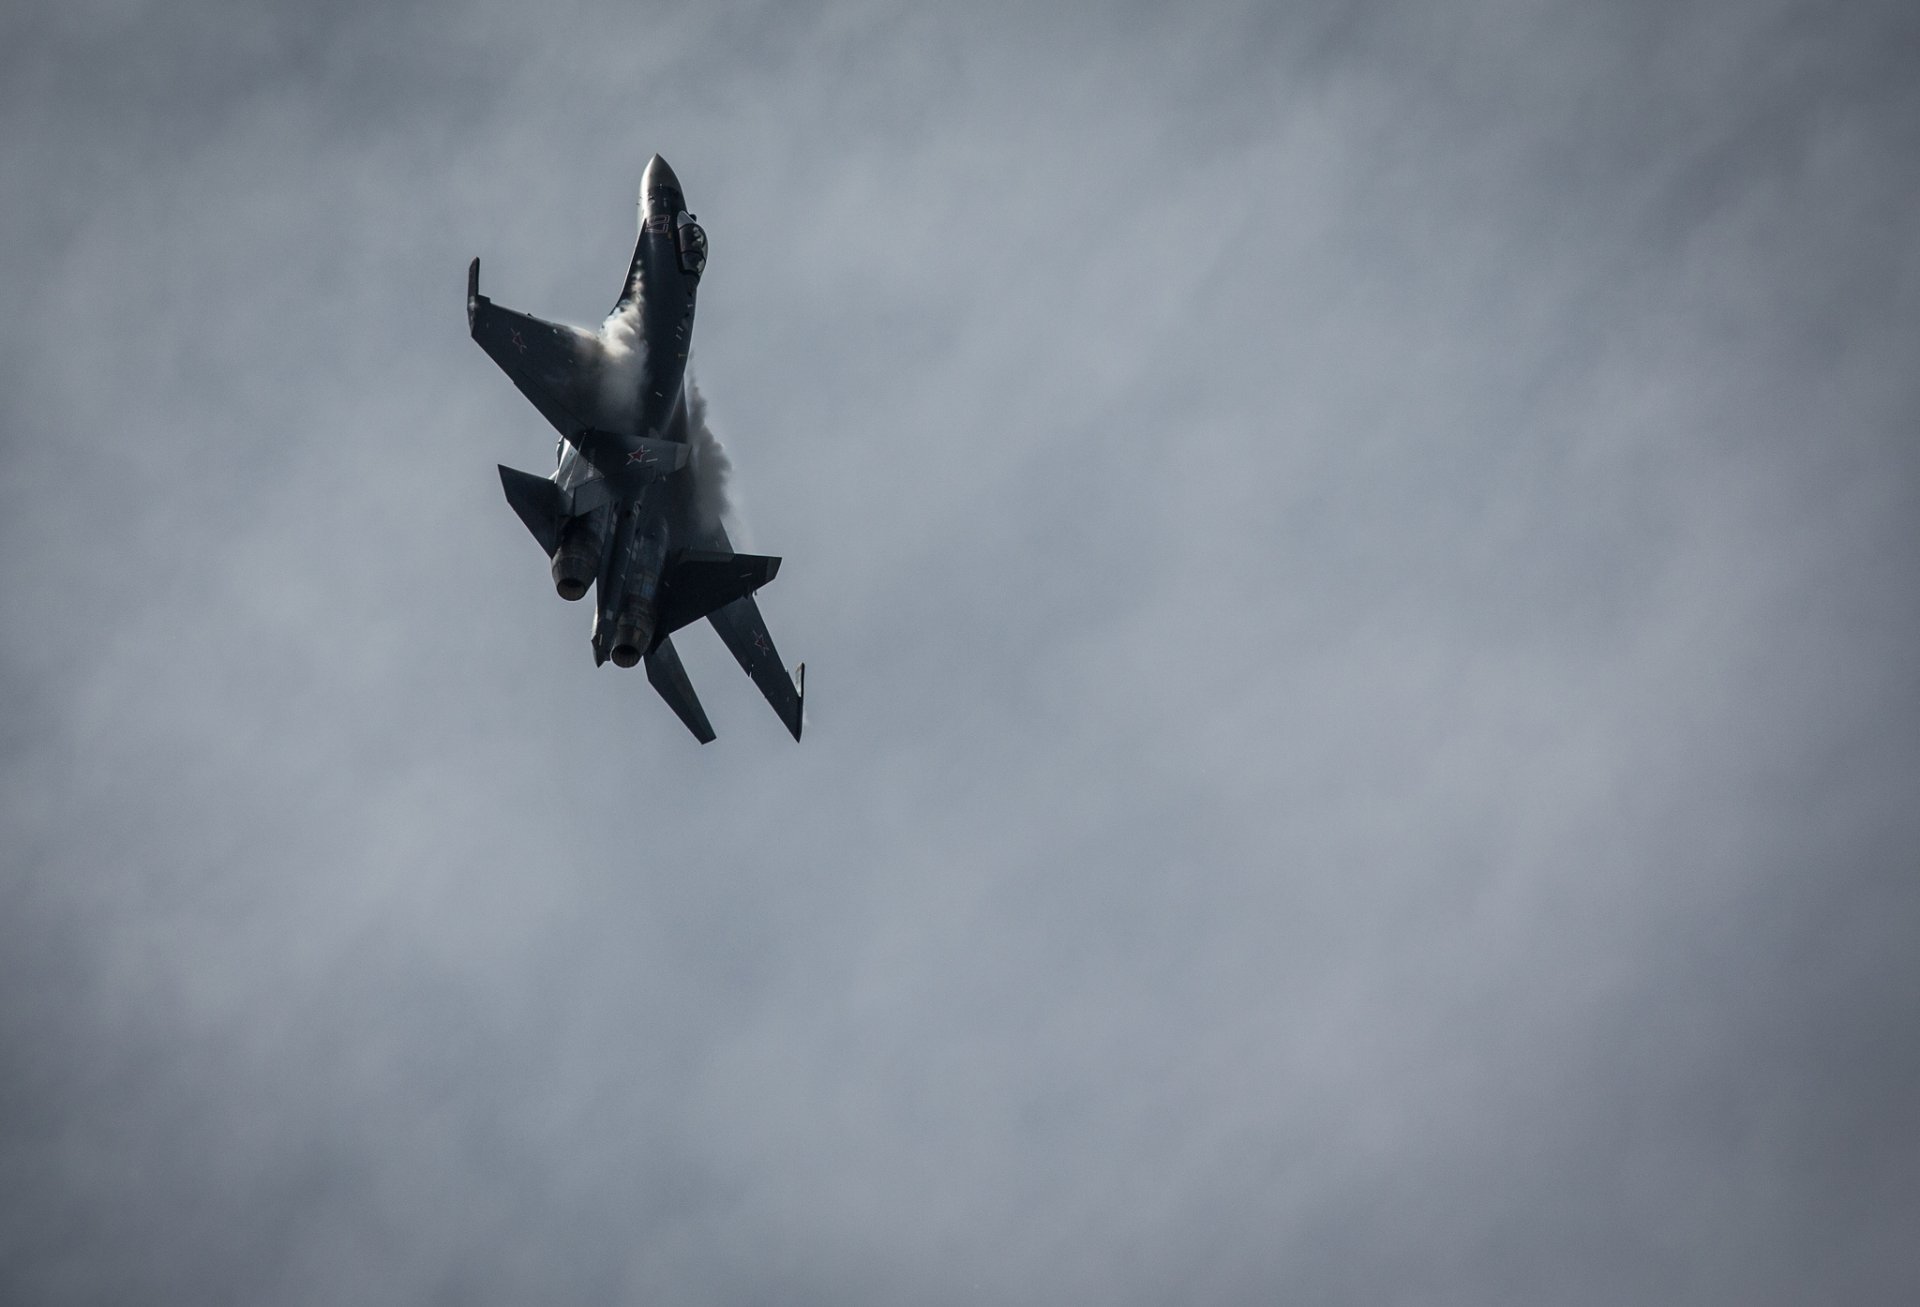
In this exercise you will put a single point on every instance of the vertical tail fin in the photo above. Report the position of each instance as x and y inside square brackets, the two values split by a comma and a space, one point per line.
[666, 675]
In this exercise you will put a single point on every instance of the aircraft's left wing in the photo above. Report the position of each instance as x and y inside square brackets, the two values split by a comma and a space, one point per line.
[555, 366]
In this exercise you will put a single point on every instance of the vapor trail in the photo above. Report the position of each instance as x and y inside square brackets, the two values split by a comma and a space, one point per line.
[714, 499]
[623, 352]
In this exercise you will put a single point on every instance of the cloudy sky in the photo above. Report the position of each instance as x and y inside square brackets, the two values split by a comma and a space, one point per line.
[1357, 564]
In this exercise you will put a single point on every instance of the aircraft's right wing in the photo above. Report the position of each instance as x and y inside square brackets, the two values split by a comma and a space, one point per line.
[555, 366]
[745, 633]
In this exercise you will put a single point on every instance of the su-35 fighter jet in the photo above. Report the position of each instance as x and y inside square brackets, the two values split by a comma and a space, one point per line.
[623, 511]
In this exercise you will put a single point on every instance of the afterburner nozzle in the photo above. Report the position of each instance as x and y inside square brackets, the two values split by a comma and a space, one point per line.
[630, 643]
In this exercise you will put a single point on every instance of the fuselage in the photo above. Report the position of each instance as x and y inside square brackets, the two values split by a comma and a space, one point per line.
[664, 287]
[649, 499]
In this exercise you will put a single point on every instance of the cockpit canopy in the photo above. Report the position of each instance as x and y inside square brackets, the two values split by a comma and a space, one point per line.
[691, 241]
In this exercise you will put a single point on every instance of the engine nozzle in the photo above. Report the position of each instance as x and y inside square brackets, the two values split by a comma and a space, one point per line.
[630, 643]
[577, 561]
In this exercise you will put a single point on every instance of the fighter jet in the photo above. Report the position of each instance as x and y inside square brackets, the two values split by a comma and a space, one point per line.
[622, 512]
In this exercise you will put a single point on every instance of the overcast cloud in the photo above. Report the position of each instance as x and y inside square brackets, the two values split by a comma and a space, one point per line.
[1357, 565]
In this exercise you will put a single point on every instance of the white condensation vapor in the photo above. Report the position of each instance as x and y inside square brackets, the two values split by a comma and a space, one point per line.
[623, 354]
[714, 498]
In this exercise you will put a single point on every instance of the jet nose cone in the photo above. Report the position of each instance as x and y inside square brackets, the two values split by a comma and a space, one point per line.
[659, 177]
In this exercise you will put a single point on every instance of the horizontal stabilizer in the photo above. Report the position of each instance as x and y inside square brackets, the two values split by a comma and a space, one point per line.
[697, 581]
[538, 502]
[666, 675]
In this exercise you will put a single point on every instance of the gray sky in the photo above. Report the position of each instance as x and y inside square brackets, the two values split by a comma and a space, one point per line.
[1357, 567]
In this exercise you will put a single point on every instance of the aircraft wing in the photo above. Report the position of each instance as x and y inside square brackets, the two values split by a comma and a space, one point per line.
[745, 634]
[555, 366]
